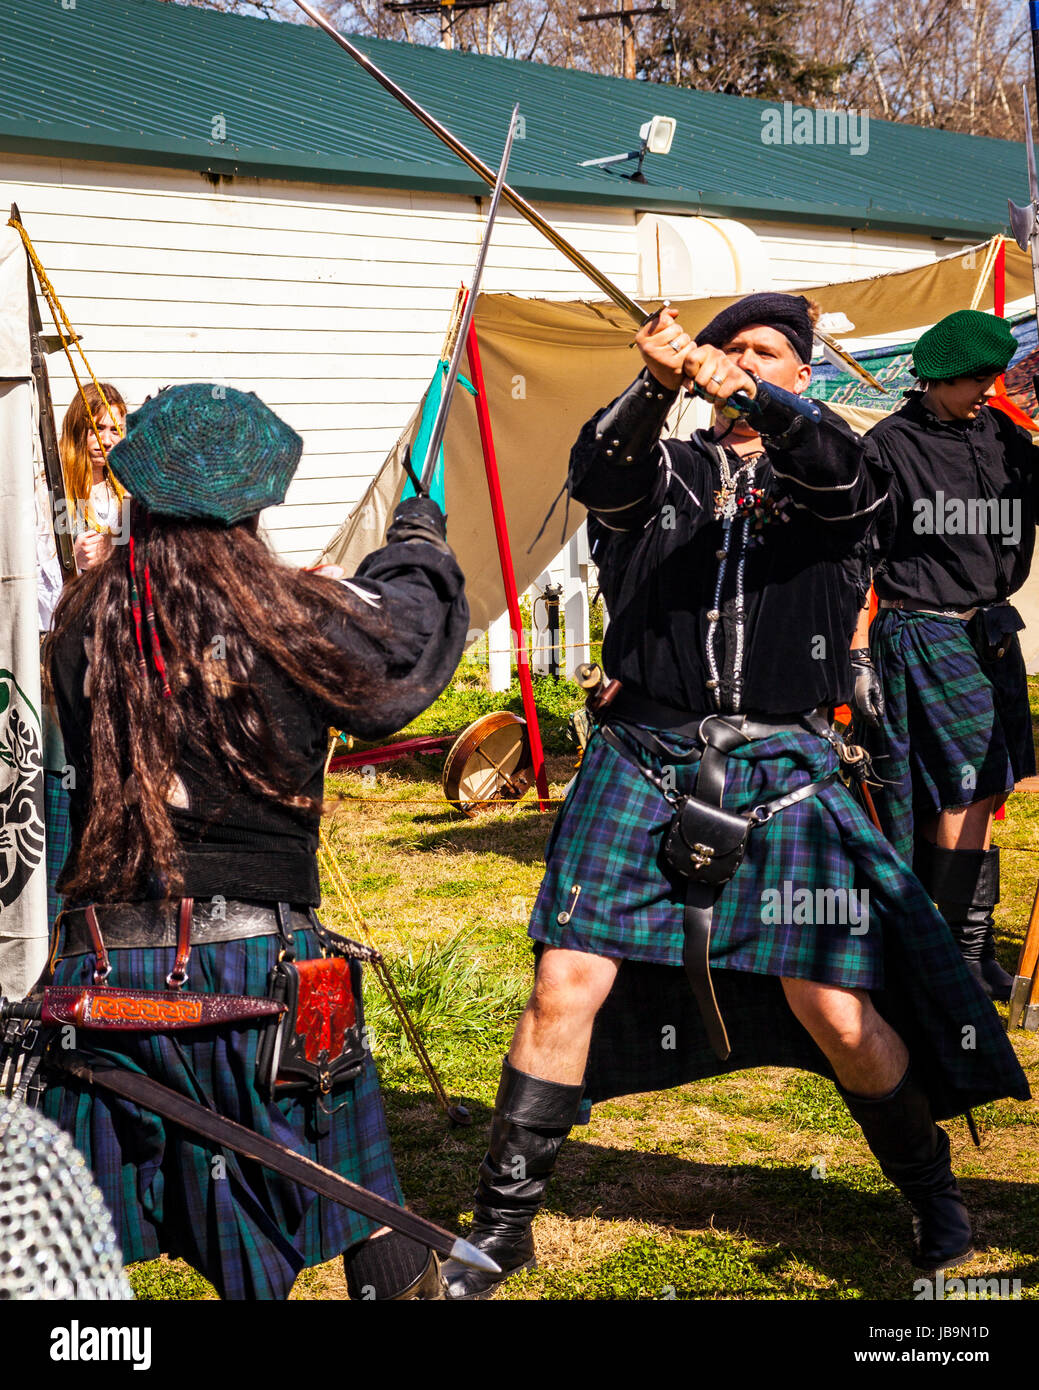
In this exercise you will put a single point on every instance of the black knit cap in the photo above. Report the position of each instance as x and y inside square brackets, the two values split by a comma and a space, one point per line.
[206, 451]
[786, 313]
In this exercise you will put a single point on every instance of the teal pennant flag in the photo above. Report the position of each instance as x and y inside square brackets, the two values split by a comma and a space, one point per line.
[420, 447]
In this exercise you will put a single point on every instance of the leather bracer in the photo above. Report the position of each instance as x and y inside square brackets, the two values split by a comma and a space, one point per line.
[628, 429]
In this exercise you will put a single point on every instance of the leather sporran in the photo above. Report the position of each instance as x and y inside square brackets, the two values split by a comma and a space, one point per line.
[704, 842]
[319, 1042]
[992, 630]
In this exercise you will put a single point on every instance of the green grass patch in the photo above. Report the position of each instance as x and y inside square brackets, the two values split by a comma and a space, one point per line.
[684, 1268]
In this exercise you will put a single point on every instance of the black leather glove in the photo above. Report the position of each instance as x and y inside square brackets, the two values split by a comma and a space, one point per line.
[418, 519]
[777, 422]
[867, 698]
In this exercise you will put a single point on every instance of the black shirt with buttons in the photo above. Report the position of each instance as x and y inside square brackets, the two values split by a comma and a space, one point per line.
[959, 526]
[657, 543]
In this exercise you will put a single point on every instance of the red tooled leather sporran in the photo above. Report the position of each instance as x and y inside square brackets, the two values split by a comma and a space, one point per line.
[319, 1041]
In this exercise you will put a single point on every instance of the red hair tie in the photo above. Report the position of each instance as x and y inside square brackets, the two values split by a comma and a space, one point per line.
[149, 617]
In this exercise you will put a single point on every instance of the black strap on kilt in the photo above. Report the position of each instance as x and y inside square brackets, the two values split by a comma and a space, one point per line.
[720, 734]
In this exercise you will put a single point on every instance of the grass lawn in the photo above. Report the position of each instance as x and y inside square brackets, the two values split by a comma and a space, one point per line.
[758, 1186]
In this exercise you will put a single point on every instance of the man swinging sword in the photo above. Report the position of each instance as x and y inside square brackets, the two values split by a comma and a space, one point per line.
[730, 567]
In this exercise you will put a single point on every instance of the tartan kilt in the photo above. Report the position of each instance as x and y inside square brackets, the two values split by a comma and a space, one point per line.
[248, 1230]
[58, 837]
[956, 728]
[608, 840]
[649, 1036]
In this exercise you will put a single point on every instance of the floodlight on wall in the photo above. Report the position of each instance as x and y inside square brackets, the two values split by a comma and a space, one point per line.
[655, 135]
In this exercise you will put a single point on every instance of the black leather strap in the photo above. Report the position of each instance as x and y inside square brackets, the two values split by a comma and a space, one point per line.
[720, 734]
[721, 737]
[283, 913]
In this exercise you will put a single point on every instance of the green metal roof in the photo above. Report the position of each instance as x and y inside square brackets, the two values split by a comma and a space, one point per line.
[141, 81]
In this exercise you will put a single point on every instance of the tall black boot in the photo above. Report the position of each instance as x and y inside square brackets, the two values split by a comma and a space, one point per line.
[965, 885]
[913, 1153]
[531, 1119]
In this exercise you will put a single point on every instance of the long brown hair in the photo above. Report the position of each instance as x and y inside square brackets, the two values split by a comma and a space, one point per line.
[75, 432]
[208, 581]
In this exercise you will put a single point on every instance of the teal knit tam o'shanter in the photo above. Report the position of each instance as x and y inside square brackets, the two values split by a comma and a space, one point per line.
[206, 451]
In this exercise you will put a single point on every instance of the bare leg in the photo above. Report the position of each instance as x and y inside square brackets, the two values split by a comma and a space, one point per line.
[966, 827]
[537, 1103]
[552, 1037]
[866, 1053]
[872, 1066]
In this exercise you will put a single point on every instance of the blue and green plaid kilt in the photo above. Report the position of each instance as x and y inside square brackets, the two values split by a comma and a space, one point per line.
[956, 727]
[607, 841]
[58, 837]
[248, 1230]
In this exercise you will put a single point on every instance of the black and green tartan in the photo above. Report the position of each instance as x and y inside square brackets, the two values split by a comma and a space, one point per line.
[58, 837]
[956, 727]
[248, 1230]
[607, 842]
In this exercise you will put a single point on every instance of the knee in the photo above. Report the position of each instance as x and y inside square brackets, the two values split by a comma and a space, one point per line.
[571, 985]
[837, 1019]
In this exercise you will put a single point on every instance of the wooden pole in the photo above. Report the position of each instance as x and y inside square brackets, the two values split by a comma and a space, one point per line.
[1022, 988]
[508, 574]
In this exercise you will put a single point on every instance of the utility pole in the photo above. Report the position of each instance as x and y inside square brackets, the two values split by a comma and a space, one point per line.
[446, 9]
[626, 14]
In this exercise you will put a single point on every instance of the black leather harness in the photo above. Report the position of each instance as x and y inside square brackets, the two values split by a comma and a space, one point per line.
[718, 736]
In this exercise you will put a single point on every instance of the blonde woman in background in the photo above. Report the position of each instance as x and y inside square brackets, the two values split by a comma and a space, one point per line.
[93, 494]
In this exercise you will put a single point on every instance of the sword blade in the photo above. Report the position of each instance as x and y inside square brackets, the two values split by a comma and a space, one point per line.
[171, 1105]
[440, 423]
[739, 402]
[614, 292]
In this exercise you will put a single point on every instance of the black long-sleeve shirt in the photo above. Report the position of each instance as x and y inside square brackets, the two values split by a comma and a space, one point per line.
[959, 526]
[234, 842]
[655, 539]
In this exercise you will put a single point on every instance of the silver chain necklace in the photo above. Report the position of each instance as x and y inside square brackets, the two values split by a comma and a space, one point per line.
[725, 512]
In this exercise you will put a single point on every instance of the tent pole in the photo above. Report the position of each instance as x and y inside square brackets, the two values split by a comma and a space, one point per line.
[501, 535]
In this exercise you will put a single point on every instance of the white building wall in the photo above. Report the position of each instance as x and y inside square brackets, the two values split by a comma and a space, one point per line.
[330, 303]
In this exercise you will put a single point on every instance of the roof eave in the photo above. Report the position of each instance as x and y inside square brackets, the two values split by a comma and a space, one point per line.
[212, 159]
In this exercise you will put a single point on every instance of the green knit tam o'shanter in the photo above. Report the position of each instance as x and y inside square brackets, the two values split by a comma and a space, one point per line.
[964, 344]
[206, 451]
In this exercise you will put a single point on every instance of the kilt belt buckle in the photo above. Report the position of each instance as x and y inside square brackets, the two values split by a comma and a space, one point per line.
[905, 605]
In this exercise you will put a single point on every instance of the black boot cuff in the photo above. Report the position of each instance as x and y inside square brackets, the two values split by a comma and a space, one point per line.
[536, 1104]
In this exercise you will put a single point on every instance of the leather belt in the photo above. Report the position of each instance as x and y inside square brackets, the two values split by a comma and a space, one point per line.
[627, 707]
[905, 605]
[129, 926]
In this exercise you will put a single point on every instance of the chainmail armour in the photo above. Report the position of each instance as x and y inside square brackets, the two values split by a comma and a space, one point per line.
[56, 1236]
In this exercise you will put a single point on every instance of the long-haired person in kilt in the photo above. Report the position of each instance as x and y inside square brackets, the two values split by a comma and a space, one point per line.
[732, 569]
[196, 677]
[953, 732]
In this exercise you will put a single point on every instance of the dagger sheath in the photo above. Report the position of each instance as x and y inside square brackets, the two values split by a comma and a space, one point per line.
[171, 1105]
